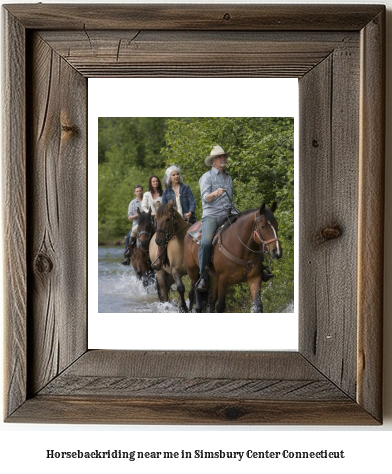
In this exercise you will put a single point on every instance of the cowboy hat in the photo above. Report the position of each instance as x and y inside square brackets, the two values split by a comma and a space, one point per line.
[216, 151]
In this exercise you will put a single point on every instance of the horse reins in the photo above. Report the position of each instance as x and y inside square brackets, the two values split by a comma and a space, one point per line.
[256, 233]
[168, 235]
[149, 234]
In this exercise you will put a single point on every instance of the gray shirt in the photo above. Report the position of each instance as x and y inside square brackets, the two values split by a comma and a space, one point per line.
[210, 182]
[132, 209]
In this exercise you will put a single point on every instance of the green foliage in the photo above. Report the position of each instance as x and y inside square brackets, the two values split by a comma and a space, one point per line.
[128, 153]
[131, 141]
[115, 191]
[261, 165]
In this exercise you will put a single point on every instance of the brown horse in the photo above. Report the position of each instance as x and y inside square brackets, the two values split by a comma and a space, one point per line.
[237, 257]
[140, 253]
[167, 252]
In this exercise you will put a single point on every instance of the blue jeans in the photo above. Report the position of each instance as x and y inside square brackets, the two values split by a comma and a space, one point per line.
[127, 239]
[209, 228]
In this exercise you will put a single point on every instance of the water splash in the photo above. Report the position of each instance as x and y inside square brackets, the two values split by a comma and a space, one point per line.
[120, 291]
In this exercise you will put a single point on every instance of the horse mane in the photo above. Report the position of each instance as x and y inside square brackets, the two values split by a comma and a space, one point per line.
[245, 213]
[267, 212]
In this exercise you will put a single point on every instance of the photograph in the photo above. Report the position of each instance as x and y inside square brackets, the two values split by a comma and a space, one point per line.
[174, 192]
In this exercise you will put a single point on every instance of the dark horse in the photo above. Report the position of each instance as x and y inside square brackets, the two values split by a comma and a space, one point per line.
[237, 257]
[140, 253]
[167, 252]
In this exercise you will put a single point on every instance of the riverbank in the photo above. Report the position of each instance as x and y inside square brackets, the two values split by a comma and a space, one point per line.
[116, 242]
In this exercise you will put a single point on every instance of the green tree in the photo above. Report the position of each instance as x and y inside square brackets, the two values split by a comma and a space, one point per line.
[128, 153]
[262, 167]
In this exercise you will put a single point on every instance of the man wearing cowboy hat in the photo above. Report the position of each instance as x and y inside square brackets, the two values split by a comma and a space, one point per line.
[216, 187]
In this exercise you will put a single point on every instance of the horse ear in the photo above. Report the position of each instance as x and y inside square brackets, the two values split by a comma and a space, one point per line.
[274, 207]
[138, 211]
[262, 207]
[171, 204]
[149, 210]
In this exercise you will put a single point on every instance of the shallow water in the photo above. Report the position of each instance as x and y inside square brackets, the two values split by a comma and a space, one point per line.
[119, 289]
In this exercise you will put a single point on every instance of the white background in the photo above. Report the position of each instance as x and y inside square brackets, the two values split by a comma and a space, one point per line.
[171, 97]
[367, 449]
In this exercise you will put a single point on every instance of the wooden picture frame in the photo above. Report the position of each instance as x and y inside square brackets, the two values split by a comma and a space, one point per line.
[338, 54]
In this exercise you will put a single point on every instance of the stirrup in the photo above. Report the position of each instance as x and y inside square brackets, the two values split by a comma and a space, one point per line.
[202, 282]
[267, 276]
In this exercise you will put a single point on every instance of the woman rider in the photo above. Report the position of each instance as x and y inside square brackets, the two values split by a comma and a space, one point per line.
[153, 196]
[184, 201]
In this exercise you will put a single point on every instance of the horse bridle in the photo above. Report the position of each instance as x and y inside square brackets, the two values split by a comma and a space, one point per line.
[140, 246]
[143, 232]
[149, 234]
[168, 235]
[257, 234]
[170, 232]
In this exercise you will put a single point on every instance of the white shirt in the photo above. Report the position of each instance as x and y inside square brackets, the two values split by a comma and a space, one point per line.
[149, 201]
[178, 204]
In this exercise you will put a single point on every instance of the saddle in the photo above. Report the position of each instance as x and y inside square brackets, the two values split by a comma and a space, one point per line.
[223, 222]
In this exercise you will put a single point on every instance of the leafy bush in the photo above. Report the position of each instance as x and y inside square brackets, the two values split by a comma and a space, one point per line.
[261, 165]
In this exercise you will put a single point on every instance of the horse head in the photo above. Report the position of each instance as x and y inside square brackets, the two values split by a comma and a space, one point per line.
[145, 229]
[165, 218]
[266, 230]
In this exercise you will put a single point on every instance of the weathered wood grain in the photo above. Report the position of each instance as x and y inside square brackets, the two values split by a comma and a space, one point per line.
[205, 374]
[57, 210]
[194, 17]
[14, 211]
[102, 409]
[195, 53]
[192, 387]
[329, 98]
[335, 378]
[371, 215]
[186, 387]
[208, 364]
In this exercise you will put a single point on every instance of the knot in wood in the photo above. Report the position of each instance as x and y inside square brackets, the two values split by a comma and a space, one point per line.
[227, 16]
[232, 413]
[68, 128]
[43, 264]
[329, 232]
[315, 143]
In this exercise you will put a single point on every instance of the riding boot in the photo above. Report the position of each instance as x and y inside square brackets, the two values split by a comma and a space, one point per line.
[131, 245]
[128, 252]
[202, 282]
[265, 274]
